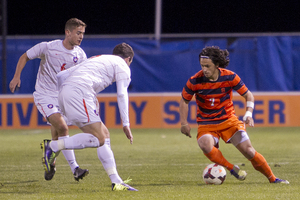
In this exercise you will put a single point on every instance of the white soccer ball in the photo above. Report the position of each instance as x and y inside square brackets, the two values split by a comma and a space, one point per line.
[214, 174]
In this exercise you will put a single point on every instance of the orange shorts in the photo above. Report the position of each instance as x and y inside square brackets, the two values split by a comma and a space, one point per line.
[225, 130]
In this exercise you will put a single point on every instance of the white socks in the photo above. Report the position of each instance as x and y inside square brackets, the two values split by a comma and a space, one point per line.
[70, 156]
[107, 159]
[78, 141]
[84, 140]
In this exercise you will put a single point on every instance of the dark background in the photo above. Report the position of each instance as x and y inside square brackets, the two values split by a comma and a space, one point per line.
[35, 17]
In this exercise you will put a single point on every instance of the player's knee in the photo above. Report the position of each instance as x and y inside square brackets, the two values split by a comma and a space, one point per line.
[250, 152]
[62, 129]
[100, 137]
[205, 144]
[105, 131]
[101, 141]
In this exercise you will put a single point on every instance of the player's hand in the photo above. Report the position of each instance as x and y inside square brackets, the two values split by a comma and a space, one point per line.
[128, 133]
[15, 82]
[186, 130]
[249, 120]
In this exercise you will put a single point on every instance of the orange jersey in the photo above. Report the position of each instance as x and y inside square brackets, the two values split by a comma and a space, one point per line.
[214, 98]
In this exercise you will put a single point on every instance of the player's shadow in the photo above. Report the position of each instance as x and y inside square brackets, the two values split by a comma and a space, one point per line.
[11, 184]
[17, 182]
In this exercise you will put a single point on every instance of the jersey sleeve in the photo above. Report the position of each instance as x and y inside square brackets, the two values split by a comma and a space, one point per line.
[37, 51]
[187, 91]
[122, 72]
[123, 101]
[122, 76]
[238, 85]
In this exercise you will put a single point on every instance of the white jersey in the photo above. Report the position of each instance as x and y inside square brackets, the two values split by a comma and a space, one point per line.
[97, 73]
[54, 58]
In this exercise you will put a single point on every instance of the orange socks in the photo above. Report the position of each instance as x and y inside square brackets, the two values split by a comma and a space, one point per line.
[216, 156]
[260, 164]
[258, 161]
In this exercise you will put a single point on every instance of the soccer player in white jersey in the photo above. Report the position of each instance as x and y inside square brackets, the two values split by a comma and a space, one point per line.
[78, 101]
[56, 56]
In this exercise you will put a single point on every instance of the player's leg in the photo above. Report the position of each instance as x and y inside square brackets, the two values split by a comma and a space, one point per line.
[207, 144]
[48, 107]
[95, 135]
[104, 152]
[242, 142]
[59, 130]
[106, 156]
[82, 110]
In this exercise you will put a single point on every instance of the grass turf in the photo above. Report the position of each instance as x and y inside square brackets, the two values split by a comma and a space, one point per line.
[163, 163]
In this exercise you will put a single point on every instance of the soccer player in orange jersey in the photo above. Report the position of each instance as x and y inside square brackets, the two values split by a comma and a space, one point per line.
[212, 87]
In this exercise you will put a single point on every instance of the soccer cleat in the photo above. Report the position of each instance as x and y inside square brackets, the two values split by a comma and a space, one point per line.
[122, 187]
[49, 175]
[238, 173]
[80, 173]
[48, 155]
[278, 180]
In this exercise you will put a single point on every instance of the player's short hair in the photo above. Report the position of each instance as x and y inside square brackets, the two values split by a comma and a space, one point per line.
[74, 23]
[124, 51]
[217, 55]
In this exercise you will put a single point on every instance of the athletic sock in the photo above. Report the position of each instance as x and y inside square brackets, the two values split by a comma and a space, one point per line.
[107, 159]
[216, 156]
[260, 164]
[78, 141]
[70, 156]
[107, 141]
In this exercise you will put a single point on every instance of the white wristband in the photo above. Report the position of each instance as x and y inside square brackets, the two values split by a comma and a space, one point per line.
[247, 114]
[126, 124]
[250, 104]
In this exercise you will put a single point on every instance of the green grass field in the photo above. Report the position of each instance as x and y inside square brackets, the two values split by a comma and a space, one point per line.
[163, 163]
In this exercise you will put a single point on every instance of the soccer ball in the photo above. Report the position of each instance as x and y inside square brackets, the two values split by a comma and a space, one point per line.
[214, 174]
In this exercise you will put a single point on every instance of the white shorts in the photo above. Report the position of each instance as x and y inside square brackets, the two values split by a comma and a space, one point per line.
[47, 105]
[80, 106]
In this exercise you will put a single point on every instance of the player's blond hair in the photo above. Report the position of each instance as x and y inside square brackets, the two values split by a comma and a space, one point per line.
[74, 23]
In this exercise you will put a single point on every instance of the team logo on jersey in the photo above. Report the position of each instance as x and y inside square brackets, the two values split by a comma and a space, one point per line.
[50, 106]
[95, 111]
[75, 59]
[223, 90]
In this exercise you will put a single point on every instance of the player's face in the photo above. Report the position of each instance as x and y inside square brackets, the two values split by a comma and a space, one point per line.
[76, 35]
[210, 70]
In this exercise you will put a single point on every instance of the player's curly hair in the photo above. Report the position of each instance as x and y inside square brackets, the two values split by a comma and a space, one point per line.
[217, 55]
[124, 51]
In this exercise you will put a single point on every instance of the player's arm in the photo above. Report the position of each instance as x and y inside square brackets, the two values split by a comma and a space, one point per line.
[183, 110]
[123, 101]
[16, 81]
[249, 108]
[34, 52]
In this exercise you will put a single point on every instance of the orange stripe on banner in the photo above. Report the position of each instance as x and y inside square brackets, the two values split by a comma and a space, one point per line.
[85, 108]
